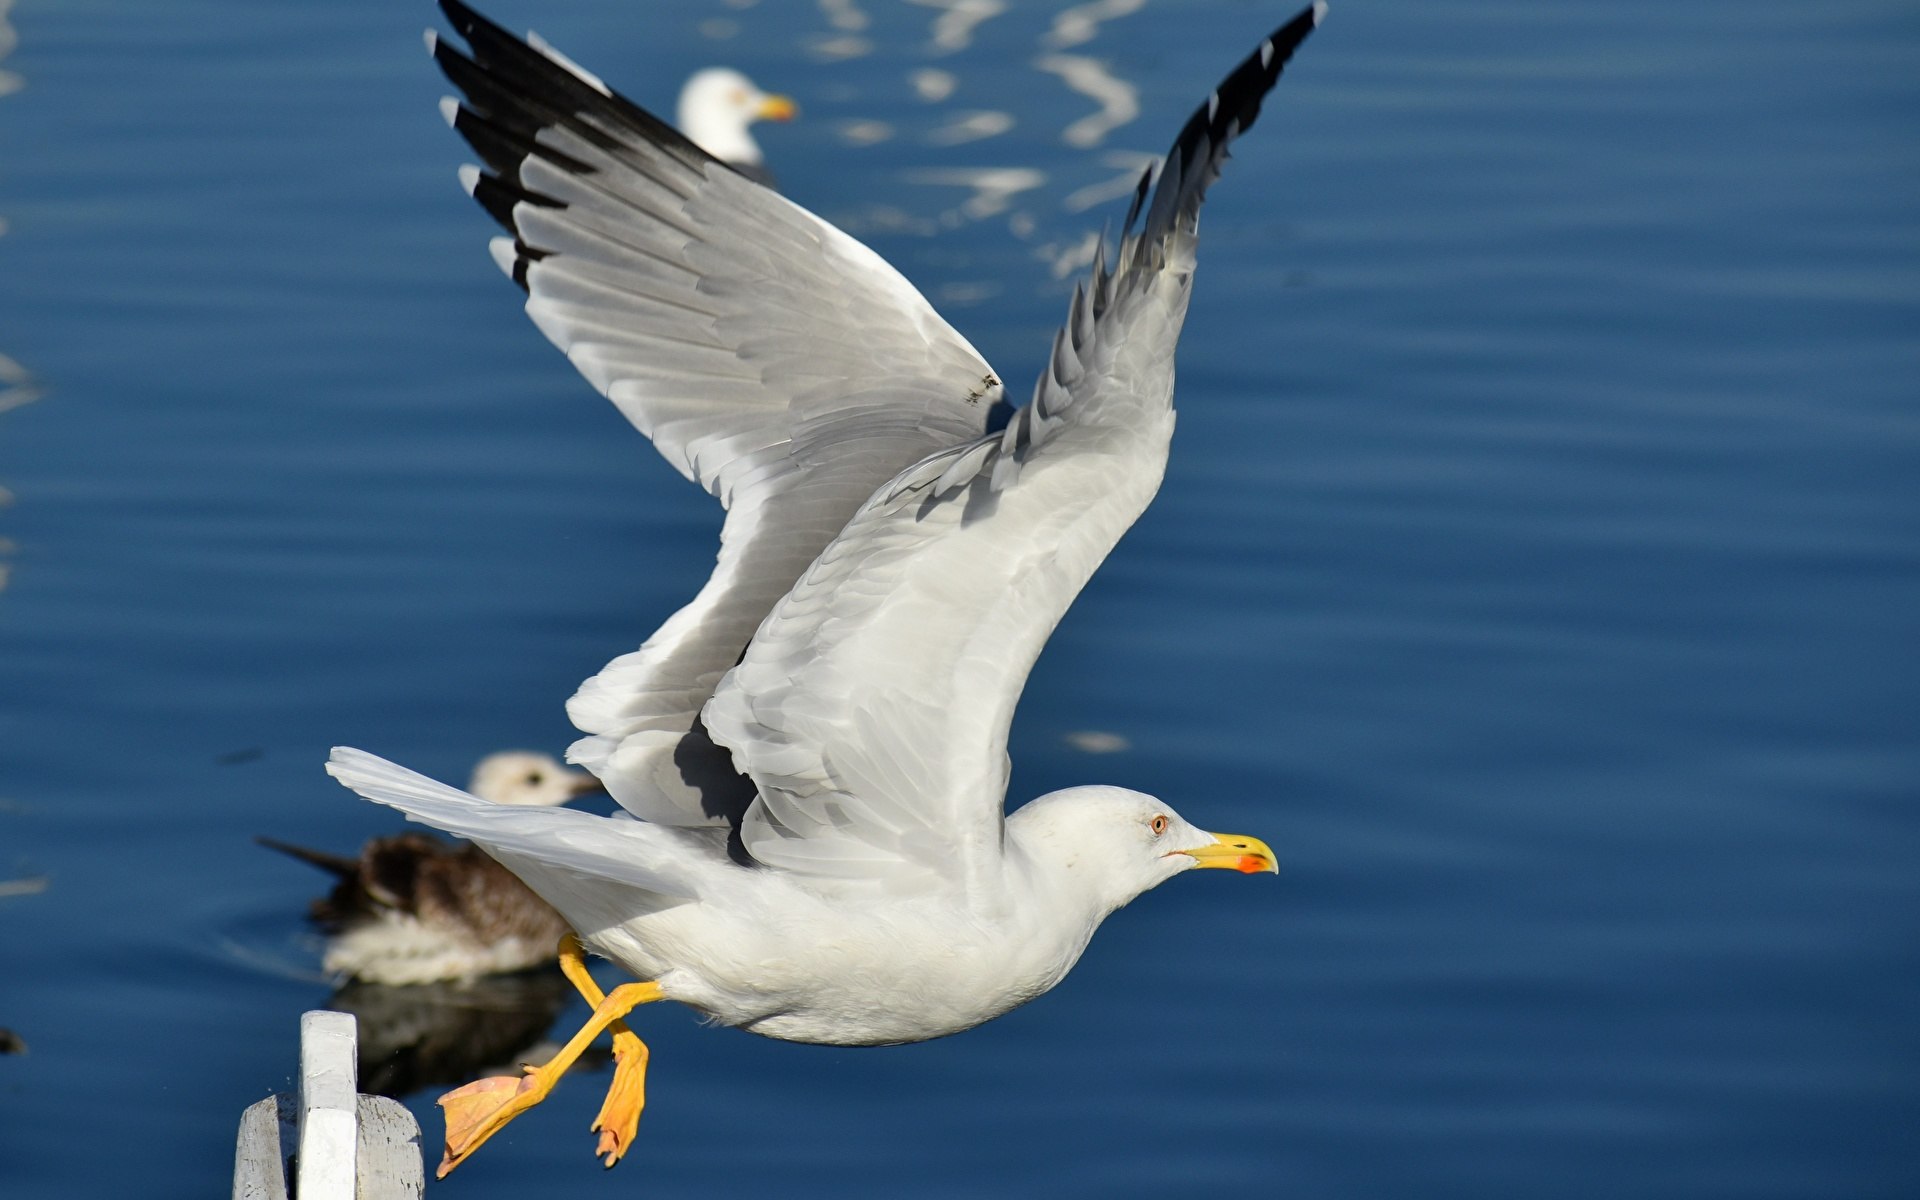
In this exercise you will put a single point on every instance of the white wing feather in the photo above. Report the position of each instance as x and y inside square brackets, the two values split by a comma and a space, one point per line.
[872, 706]
[774, 360]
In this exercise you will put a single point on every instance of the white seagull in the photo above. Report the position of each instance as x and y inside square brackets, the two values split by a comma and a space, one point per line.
[716, 107]
[812, 754]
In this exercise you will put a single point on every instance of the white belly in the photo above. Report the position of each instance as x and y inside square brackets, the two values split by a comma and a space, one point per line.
[882, 975]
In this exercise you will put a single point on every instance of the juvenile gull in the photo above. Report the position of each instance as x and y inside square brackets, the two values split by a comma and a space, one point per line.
[412, 909]
[815, 846]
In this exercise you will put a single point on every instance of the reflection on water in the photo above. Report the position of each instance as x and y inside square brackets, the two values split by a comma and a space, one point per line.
[446, 1034]
[848, 21]
[1082, 22]
[971, 127]
[953, 28]
[6, 544]
[993, 188]
[845, 41]
[9, 81]
[932, 84]
[1098, 741]
[16, 382]
[30, 885]
[1119, 100]
[1069, 257]
[845, 15]
[863, 132]
[837, 48]
[21, 885]
[17, 386]
[1129, 164]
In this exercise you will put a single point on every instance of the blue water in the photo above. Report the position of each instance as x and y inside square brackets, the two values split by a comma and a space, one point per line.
[1538, 570]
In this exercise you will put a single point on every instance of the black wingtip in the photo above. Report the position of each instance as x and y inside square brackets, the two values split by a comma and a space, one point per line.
[1234, 106]
[464, 19]
[1194, 160]
[517, 90]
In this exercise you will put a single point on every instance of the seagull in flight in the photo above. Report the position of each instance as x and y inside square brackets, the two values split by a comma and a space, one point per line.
[810, 757]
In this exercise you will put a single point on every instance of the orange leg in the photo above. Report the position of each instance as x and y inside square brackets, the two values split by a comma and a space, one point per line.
[481, 1109]
[619, 1116]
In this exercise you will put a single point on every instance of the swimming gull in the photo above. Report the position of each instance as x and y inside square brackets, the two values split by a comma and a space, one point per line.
[413, 909]
[717, 104]
[821, 852]
[715, 109]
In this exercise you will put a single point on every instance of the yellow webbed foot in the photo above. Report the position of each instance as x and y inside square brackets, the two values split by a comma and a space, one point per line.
[481, 1109]
[619, 1116]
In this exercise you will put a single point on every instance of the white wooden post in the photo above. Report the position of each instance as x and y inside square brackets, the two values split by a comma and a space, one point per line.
[325, 1163]
[349, 1147]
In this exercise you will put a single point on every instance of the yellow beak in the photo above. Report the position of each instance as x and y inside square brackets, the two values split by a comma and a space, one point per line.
[777, 108]
[1246, 855]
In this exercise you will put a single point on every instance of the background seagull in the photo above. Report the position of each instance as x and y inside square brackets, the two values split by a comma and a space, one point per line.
[717, 106]
[825, 855]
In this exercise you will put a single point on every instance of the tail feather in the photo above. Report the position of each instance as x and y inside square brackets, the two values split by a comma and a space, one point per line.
[572, 842]
[338, 865]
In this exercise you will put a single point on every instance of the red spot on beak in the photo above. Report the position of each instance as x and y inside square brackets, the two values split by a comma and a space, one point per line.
[1249, 864]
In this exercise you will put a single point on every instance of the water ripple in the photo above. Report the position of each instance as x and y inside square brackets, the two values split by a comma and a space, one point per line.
[845, 15]
[1130, 164]
[953, 28]
[993, 187]
[932, 84]
[1119, 100]
[1081, 23]
[971, 127]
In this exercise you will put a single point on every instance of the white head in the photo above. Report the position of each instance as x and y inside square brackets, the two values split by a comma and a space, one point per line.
[1112, 844]
[718, 104]
[528, 777]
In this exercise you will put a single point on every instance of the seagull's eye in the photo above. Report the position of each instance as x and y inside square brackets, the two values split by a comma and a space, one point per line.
[739, 96]
[533, 778]
[1158, 825]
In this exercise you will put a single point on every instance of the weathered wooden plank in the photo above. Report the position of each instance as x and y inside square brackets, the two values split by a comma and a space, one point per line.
[390, 1164]
[334, 1144]
[267, 1132]
[329, 1108]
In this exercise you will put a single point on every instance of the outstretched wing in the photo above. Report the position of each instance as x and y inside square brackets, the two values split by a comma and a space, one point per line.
[774, 360]
[872, 707]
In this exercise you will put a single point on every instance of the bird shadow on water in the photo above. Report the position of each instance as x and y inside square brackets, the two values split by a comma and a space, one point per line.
[412, 1037]
[437, 1035]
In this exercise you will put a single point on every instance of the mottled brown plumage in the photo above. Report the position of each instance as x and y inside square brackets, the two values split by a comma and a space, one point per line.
[412, 908]
[454, 886]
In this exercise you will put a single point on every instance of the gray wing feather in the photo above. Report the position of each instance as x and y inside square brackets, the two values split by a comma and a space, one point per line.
[775, 361]
[872, 706]
[621, 851]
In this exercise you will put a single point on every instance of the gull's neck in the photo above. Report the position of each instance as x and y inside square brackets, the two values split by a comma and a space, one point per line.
[1069, 875]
